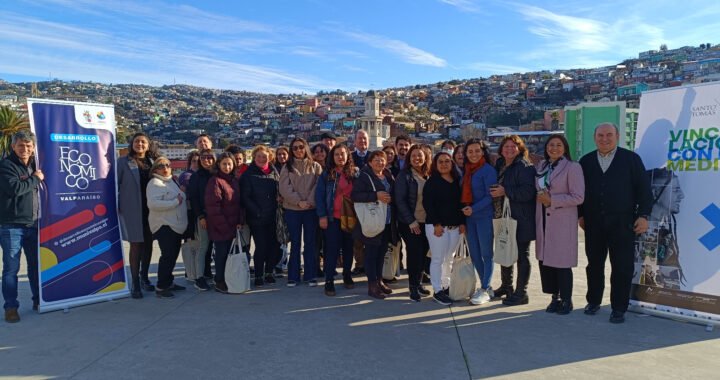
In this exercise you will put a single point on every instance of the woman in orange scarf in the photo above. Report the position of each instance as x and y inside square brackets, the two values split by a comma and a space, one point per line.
[479, 177]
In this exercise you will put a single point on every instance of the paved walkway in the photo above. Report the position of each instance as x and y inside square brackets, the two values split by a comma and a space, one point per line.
[298, 333]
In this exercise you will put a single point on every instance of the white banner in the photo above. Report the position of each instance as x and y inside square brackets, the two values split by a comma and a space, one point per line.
[677, 262]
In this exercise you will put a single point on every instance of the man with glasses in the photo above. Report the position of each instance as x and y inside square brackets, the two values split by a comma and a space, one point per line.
[19, 212]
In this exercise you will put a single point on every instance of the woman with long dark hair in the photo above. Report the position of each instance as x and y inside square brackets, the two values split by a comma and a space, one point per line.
[444, 222]
[134, 174]
[298, 179]
[333, 191]
[409, 186]
[224, 214]
[516, 181]
[560, 189]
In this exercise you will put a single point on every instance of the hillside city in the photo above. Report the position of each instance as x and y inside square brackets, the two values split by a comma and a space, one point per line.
[457, 109]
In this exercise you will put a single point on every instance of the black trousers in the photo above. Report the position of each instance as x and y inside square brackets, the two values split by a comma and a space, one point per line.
[375, 256]
[222, 249]
[169, 242]
[523, 270]
[266, 248]
[613, 234]
[557, 281]
[416, 247]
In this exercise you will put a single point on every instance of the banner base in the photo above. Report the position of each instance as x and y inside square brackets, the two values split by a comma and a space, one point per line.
[649, 310]
[64, 305]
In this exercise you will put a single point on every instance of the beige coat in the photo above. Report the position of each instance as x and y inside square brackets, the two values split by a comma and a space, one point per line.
[165, 209]
[299, 184]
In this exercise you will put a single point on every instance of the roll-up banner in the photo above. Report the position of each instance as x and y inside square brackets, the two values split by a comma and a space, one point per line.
[677, 262]
[81, 257]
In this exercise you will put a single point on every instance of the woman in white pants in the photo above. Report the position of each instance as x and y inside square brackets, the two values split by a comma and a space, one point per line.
[444, 222]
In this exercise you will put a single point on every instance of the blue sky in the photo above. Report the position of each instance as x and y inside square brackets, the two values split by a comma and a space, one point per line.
[278, 46]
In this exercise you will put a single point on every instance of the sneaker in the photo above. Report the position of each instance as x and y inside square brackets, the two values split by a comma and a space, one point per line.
[490, 292]
[166, 293]
[12, 316]
[177, 287]
[221, 288]
[480, 297]
[442, 298]
[269, 279]
[291, 284]
[201, 284]
[312, 283]
[423, 291]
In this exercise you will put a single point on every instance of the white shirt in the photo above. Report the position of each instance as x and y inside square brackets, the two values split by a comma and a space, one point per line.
[606, 160]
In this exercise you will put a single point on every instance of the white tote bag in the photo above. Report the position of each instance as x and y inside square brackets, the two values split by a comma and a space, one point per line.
[462, 276]
[392, 261]
[505, 252]
[371, 215]
[237, 269]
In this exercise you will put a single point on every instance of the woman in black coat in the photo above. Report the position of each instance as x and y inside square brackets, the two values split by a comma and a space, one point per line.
[516, 181]
[260, 198]
[375, 175]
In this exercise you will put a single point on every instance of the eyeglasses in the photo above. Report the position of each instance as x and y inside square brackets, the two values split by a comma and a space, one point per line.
[163, 166]
[207, 157]
[298, 147]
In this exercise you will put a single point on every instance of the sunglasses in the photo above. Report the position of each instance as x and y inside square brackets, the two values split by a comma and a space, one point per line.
[298, 147]
[207, 157]
[163, 166]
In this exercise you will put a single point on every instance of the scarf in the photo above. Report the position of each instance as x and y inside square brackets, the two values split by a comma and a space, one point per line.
[470, 169]
[265, 169]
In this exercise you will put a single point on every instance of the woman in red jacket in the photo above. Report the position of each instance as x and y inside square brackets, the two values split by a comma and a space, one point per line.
[223, 213]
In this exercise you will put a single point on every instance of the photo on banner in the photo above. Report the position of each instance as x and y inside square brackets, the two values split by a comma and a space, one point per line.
[677, 261]
[81, 258]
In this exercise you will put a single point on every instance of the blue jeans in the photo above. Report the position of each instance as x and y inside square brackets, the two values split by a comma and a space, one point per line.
[13, 239]
[480, 243]
[302, 223]
[337, 240]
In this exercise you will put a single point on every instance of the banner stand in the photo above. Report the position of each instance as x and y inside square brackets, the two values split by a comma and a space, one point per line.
[709, 323]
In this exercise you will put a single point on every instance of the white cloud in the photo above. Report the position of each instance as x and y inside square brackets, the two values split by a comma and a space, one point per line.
[406, 52]
[468, 6]
[496, 68]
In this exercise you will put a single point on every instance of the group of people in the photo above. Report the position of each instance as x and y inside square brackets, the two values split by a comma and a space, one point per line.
[305, 196]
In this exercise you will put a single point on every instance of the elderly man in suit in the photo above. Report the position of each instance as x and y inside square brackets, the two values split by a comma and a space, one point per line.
[617, 204]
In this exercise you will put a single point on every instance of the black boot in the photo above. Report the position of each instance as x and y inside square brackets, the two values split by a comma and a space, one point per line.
[348, 281]
[554, 304]
[329, 288]
[414, 294]
[135, 291]
[565, 307]
[423, 291]
[516, 299]
[147, 285]
[506, 287]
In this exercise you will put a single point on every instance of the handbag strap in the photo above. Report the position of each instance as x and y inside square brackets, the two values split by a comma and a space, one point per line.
[506, 209]
[462, 249]
[371, 182]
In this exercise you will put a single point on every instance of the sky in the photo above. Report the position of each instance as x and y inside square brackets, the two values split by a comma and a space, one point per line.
[304, 46]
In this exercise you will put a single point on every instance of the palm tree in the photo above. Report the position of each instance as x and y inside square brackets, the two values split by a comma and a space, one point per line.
[10, 123]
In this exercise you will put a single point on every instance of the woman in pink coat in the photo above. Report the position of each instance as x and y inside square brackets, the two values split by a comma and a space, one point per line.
[561, 188]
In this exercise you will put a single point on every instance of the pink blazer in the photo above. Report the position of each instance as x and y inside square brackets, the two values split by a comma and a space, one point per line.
[556, 244]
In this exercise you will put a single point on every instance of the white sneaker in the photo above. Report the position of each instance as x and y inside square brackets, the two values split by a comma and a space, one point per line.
[490, 292]
[480, 297]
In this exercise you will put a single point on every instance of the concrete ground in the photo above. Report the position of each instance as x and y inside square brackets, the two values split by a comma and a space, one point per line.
[282, 333]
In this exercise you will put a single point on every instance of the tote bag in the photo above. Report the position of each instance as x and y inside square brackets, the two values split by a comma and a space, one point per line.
[462, 276]
[237, 269]
[505, 252]
[348, 219]
[392, 260]
[371, 215]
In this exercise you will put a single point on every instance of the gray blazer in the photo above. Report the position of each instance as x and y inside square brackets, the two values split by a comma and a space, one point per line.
[130, 200]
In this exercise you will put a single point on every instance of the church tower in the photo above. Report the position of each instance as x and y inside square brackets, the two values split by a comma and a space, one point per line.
[372, 122]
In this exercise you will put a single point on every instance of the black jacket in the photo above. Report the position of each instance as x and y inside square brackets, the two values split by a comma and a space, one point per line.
[259, 195]
[623, 191]
[362, 191]
[17, 187]
[406, 193]
[441, 200]
[519, 183]
[196, 191]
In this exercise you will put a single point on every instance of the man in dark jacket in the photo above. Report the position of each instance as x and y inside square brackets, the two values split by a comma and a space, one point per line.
[19, 212]
[617, 204]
